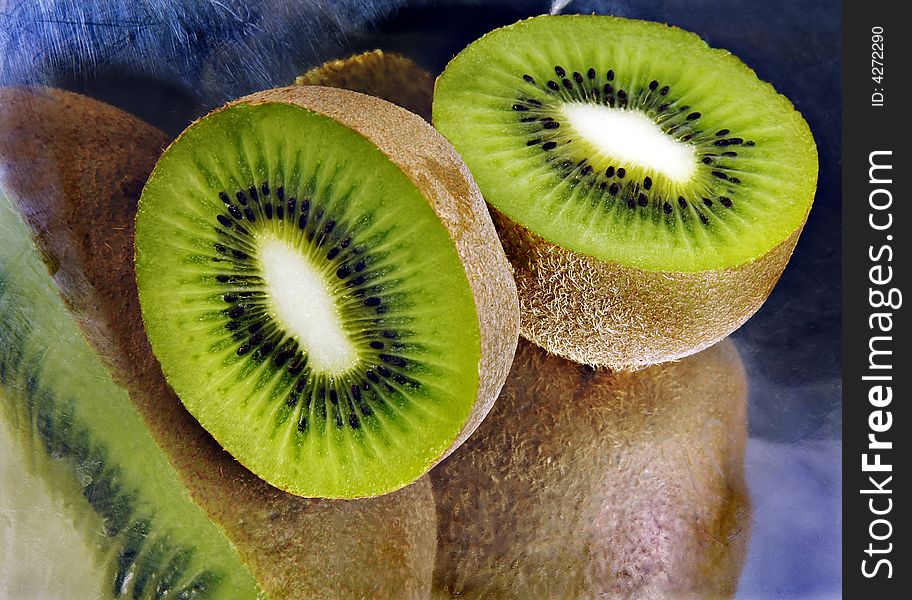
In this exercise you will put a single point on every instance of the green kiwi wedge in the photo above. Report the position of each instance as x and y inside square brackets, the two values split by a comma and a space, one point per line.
[649, 189]
[80, 473]
[322, 284]
[583, 483]
[75, 168]
[386, 75]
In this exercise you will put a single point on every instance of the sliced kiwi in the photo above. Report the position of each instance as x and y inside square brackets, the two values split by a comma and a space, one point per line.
[324, 289]
[386, 75]
[649, 189]
[124, 514]
[75, 168]
[586, 484]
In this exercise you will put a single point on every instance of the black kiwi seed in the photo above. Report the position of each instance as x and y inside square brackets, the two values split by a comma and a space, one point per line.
[647, 183]
[621, 173]
[693, 116]
[265, 188]
[613, 190]
[549, 145]
[560, 71]
[609, 172]
[667, 208]
[553, 85]
[249, 214]
[631, 203]
[726, 202]
[707, 202]
[529, 79]
[577, 77]
[722, 132]
[267, 209]
[682, 202]
[664, 91]
[551, 125]
[241, 198]
[642, 200]
[590, 73]
[520, 107]
[253, 193]
[610, 75]
[719, 174]
[567, 83]
[225, 221]
[235, 212]
[224, 198]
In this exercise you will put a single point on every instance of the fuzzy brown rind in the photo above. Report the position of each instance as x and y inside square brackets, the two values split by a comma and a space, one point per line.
[436, 169]
[610, 315]
[75, 168]
[586, 484]
[386, 75]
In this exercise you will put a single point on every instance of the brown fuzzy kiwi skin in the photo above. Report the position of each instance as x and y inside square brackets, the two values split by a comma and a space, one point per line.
[438, 171]
[75, 168]
[610, 315]
[583, 483]
[386, 75]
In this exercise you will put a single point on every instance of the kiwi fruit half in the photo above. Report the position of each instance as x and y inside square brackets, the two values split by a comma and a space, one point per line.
[649, 189]
[74, 446]
[75, 168]
[386, 75]
[586, 484]
[323, 286]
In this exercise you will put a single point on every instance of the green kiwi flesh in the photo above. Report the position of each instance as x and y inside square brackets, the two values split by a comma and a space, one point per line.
[582, 483]
[356, 381]
[72, 430]
[629, 141]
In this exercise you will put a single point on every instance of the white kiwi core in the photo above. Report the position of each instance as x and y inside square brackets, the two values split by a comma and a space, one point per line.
[632, 138]
[301, 300]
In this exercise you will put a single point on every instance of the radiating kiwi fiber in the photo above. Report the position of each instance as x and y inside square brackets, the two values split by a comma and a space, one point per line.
[75, 168]
[386, 75]
[586, 484]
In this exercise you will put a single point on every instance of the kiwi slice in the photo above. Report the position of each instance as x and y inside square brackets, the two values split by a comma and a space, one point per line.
[649, 189]
[67, 425]
[75, 167]
[586, 484]
[386, 75]
[324, 289]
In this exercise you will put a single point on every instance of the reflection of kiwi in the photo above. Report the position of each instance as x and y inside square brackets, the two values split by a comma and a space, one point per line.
[324, 288]
[649, 189]
[92, 160]
[584, 484]
[72, 445]
[386, 75]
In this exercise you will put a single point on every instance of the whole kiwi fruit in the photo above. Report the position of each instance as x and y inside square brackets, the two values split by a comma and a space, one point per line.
[75, 167]
[386, 75]
[583, 483]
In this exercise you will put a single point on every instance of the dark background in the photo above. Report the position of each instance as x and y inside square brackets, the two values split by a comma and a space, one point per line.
[170, 62]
